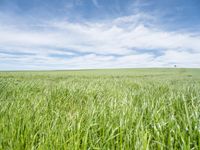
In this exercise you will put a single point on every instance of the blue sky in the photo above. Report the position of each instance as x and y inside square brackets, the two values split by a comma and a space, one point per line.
[82, 34]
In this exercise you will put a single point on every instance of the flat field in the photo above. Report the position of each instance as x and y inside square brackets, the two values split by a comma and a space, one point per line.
[100, 109]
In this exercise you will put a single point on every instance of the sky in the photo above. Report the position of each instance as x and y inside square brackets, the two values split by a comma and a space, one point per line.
[91, 34]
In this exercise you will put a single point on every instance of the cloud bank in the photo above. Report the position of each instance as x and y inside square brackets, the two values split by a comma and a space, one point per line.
[123, 42]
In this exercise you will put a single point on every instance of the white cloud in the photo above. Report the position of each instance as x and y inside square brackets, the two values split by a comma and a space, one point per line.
[180, 58]
[99, 43]
[134, 20]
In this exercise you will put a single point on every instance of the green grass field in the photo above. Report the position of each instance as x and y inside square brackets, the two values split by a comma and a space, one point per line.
[100, 109]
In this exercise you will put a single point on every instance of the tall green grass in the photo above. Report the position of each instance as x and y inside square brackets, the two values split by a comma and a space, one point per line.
[100, 109]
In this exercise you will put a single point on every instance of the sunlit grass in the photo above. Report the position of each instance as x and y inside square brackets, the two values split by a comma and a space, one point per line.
[100, 109]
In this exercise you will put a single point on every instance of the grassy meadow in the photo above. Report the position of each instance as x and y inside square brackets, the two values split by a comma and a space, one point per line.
[125, 109]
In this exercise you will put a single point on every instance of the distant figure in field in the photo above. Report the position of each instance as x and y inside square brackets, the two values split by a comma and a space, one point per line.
[175, 66]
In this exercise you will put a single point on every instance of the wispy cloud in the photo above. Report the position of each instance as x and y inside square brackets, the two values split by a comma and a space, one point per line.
[96, 3]
[126, 41]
